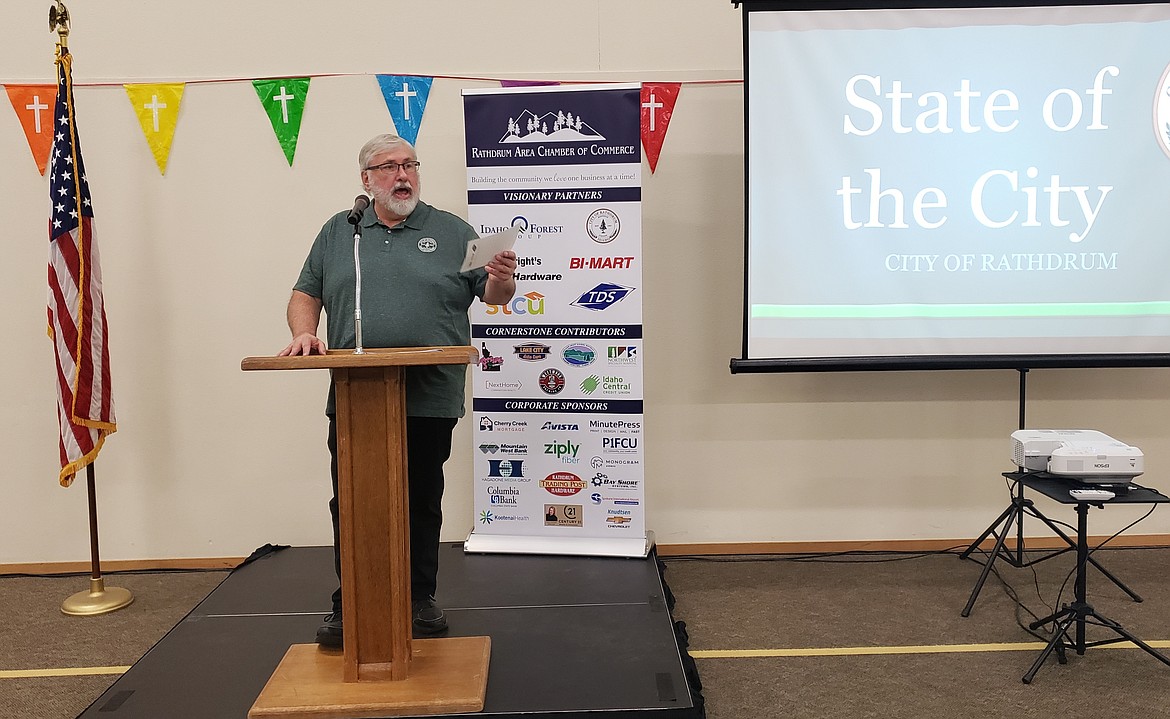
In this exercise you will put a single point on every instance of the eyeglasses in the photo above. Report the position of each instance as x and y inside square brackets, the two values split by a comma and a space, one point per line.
[391, 168]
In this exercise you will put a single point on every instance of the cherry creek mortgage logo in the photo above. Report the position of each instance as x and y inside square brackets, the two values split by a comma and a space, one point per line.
[1162, 112]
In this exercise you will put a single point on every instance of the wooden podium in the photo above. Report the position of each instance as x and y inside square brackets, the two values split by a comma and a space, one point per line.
[381, 671]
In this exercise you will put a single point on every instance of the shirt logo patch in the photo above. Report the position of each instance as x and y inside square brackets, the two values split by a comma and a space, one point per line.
[427, 244]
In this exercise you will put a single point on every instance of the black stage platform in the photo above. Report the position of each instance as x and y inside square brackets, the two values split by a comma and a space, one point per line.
[574, 636]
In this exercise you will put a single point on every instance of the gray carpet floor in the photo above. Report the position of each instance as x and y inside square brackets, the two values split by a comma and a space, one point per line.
[737, 604]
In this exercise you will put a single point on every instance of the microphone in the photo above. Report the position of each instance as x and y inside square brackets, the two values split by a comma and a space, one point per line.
[360, 203]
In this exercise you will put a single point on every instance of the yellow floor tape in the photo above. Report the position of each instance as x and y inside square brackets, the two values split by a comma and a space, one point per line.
[921, 649]
[67, 672]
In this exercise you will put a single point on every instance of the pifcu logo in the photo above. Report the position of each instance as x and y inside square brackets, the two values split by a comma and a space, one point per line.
[601, 297]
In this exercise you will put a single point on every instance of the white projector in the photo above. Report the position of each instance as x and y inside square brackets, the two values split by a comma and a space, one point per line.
[1083, 454]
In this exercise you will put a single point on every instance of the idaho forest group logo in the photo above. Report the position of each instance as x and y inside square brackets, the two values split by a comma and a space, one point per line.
[1162, 112]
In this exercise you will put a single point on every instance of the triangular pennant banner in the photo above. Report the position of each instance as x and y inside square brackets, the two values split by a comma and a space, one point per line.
[406, 99]
[284, 101]
[34, 107]
[157, 108]
[658, 100]
[527, 83]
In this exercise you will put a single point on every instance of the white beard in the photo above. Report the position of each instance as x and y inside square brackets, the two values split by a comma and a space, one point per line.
[400, 208]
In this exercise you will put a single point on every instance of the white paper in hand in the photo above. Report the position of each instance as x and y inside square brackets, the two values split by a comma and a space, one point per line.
[480, 251]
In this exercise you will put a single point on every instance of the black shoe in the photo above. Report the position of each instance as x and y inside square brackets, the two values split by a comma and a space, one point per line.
[329, 633]
[428, 617]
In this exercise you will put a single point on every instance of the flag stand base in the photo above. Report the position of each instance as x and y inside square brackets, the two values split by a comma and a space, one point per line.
[98, 600]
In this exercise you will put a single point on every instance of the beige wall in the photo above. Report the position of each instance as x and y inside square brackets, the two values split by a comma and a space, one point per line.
[209, 461]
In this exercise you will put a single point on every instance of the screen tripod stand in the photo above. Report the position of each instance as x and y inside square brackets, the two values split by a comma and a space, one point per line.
[1013, 516]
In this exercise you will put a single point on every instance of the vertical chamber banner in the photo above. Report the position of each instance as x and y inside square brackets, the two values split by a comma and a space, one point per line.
[557, 392]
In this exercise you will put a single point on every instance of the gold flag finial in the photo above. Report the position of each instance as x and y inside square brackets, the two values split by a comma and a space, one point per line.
[59, 22]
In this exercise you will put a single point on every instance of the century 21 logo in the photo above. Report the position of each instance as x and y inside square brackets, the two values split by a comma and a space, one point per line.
[531, 303]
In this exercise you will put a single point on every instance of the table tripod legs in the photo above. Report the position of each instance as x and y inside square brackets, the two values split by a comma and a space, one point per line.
[1077, 614]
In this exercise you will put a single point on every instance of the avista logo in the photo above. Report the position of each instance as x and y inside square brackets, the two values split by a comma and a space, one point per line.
[531, 303]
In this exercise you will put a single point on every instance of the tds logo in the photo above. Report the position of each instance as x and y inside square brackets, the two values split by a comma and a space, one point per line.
[601, 297]
[531, 303]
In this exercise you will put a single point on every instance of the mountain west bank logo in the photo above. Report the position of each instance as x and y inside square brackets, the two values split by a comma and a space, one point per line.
[1162, 112]
[601, 297]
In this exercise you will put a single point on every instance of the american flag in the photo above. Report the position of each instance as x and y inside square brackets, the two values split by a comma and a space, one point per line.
[77, 314]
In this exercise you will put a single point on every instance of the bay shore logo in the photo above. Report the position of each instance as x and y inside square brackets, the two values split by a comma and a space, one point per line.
[531, 351]
[562, 484]
[1162, 112]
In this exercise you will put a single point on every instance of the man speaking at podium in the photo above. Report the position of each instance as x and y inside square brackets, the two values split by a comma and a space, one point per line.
[413, 294]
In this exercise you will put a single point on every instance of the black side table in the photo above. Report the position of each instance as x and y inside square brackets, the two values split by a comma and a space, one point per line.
[1075, 615]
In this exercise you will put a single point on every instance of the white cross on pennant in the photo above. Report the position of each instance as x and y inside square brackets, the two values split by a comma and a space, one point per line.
[36, 107]
[154, 106]
[405, 93]
[283, 99]
[652, 105]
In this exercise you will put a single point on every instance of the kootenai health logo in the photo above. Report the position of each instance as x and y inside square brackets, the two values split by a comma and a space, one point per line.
[1162, 112]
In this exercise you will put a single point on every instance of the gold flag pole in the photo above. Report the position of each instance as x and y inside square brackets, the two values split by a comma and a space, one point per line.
[99, 599]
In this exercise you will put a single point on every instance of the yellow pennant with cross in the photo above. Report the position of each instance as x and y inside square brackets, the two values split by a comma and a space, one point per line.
[157, 108]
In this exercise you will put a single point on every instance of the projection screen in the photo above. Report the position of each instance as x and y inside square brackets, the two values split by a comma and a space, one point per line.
[956, 187]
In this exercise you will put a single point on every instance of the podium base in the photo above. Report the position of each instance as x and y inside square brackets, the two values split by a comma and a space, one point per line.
[447, 676]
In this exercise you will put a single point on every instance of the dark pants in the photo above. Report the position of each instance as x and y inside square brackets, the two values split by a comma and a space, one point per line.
[428, 445]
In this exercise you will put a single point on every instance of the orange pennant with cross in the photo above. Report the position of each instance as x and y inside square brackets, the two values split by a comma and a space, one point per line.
[34, 107]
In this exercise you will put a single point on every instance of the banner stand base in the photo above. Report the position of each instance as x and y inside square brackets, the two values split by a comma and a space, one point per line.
[634, 546]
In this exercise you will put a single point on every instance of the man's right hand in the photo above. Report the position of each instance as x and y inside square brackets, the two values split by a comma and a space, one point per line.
[305, 344]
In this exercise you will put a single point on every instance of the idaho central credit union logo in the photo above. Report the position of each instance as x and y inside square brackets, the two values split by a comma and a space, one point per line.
[1162, 112]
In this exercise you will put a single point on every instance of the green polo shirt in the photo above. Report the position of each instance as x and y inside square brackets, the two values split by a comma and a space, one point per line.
[413, 295]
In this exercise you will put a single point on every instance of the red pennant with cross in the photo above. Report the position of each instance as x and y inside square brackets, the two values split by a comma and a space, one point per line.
[658, 100]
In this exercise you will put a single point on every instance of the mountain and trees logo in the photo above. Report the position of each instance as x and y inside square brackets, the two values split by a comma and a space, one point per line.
[559, 126]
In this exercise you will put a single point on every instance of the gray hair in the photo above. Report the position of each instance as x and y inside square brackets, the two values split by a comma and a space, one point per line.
[381, 143]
